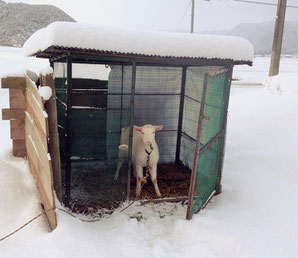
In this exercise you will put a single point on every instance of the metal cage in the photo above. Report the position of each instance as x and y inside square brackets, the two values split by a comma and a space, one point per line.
[98, 96]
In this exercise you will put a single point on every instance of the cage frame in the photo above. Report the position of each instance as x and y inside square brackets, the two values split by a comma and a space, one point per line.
[89, 56]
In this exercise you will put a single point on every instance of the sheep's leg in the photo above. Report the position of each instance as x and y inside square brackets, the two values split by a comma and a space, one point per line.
[121, 156]
[139, 176]
[119, 165]
[153, 173]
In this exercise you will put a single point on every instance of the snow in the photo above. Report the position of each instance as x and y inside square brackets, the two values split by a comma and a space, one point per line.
[32, 75]
[45, 92]
[129, 41]
[14, 74]
[255, 216]
[254, 75]
[46, 70]
[286, 84]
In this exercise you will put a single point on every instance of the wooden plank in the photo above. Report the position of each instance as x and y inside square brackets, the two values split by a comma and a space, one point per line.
[36, 113]
[34, 91]
[17, 98]
[53, 146]
[39, 140]
[43, 170]
[49, 205]
[13, 114]
[17, 129]
[13, 83]
[19, 148]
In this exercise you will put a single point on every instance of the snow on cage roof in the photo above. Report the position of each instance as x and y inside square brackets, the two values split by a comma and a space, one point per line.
[135, 42]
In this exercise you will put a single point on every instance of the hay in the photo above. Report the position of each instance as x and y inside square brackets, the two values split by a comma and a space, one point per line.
[173, 181]
[93, 193]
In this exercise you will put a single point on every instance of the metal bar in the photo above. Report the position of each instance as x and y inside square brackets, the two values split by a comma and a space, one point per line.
[200, 102]
[85, 91]
[104, 92]
[94, 108]
[121, 104]
[163, 131]
[218, 187]
[140, 59]
[68, 133]
[212, 140]
[58, 58]
[217, 72]
[92, 159]
[197, 150]
[180, 120]
[61, 102]
[178, 199]
[208, 200]
[132, 100]
[188, 136]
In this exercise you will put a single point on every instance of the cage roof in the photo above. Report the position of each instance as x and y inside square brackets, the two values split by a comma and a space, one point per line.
[48, 42]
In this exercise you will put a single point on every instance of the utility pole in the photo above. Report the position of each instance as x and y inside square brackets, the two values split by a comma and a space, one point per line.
[277, 40]
[192, 16]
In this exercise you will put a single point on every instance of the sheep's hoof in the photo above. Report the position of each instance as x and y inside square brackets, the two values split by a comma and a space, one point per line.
[143, 180]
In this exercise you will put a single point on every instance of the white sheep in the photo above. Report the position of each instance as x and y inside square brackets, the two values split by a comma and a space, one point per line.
[144, 148]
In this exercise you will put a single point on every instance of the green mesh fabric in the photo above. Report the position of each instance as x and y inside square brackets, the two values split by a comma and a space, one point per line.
[192, 103]
[208, 162]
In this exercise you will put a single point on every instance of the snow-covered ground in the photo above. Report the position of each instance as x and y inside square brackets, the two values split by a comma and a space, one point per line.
[255, 216]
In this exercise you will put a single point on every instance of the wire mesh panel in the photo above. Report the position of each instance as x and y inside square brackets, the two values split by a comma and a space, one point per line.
[101, 113]
[92, 164]
[157, 102]
[211, 139]
[192, 103]
[157, 99]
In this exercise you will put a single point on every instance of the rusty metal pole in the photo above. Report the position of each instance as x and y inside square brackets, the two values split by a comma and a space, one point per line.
[278, 35]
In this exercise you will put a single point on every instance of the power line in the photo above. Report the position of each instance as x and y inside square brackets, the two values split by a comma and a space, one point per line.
[184, 15]
[262, 3]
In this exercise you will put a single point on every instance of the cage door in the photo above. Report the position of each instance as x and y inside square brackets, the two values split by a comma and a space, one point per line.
[209, 141]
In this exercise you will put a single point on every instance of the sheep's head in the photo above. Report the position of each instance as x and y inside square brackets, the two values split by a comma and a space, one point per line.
[148, 132]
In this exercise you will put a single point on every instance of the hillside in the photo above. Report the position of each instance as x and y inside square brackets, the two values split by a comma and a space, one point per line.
[261, 36]
[18, 21]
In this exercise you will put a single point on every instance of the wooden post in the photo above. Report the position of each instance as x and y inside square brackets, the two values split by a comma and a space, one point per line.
[278, 35]
[53, 145]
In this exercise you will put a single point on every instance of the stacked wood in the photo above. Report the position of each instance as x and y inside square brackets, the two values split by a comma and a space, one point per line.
[16, 113]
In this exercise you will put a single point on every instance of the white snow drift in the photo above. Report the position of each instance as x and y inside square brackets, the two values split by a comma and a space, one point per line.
[129, 41]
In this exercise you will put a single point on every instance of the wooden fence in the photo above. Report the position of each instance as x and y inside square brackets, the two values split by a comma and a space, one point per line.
[30, 134]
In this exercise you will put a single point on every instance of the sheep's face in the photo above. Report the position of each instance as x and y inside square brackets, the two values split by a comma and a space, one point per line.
[148, 133]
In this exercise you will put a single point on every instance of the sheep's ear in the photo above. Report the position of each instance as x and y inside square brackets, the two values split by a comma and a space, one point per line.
[137, 128]
[158, 127]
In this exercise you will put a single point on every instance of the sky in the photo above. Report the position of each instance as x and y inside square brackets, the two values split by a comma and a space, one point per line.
[169, 15]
